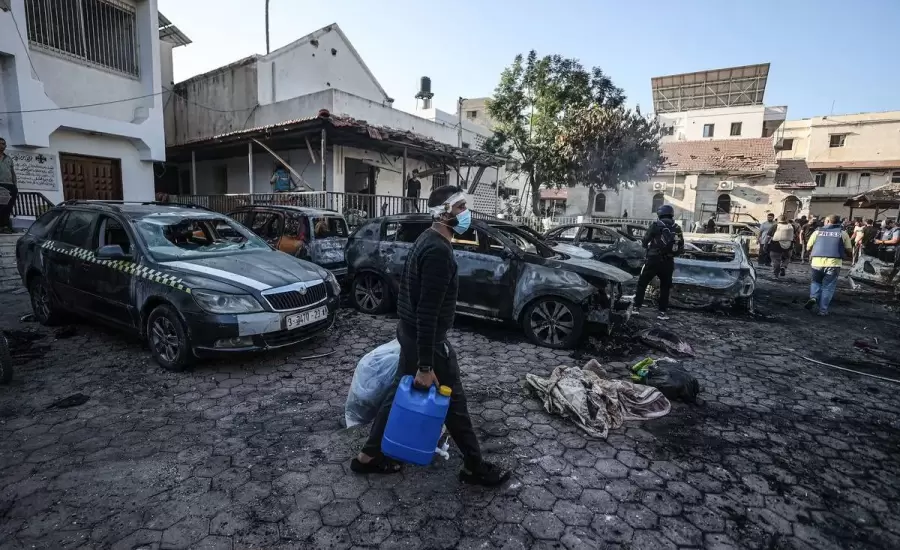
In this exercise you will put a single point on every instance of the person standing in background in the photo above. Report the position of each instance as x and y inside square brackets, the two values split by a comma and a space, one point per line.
[827, 246]
[663, 240]
[781, 242]
[281, 180]
[7, 182]
[413, 190]
[765, 229]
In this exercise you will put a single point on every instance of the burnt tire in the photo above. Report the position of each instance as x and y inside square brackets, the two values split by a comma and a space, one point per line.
[168, 339]
[6, 367]
[371, 293]
[747, 305]
[553, 322]
[43, 304]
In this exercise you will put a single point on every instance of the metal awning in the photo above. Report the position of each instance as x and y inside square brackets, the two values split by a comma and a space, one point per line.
[885, 197]
[170, 33]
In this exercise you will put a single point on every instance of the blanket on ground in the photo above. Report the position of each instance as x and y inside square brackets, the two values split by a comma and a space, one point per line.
[594, 403]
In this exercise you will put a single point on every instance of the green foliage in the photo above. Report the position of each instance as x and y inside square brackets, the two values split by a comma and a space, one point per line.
[534, 108]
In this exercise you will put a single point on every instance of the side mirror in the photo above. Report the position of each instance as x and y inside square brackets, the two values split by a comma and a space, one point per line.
[506, 254]
[112, 252]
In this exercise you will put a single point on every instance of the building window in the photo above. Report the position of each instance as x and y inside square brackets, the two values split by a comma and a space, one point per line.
[667, 130]
[820, 180]
[600, 203]
[658, 200]
[479, 142]
[895, 177]
[735, 128]
[723, 205]
[438, 180]
[842, 179]
[837, 140]
[709, 130]
[787, 144]
[471, 115]
[99, 32]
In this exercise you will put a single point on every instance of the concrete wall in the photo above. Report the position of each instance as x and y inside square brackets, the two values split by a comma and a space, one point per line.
[689, 124]
[320, 61]
[479, 107]
[798, 131]
[858, 181]
[390, 174]
[131, 131]
[870, 137]
[213, 103]
[473, 134]
[236, 172]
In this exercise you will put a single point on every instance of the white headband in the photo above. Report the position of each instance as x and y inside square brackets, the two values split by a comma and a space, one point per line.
[448, 204]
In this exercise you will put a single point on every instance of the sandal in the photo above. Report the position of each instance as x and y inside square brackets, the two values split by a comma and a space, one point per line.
[379, 465]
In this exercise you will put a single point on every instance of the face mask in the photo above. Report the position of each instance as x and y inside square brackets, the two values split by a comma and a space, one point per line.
[463, 221]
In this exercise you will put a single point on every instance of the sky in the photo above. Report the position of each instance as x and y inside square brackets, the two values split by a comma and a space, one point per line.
[827, 56]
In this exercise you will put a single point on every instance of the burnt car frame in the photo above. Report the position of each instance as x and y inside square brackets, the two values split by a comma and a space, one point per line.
[605, 244]
[505, 274]
[311, 234]
[170, 275]
[713, 272]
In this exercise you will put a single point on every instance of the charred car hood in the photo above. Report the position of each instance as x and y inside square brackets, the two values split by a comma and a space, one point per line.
[255, 271]
[590, 268]
[572, 250]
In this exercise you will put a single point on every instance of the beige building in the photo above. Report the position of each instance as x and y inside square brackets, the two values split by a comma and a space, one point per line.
[847, 154]
[475, 111]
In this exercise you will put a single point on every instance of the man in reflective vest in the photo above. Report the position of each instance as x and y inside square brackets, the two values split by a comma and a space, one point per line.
[827, 245]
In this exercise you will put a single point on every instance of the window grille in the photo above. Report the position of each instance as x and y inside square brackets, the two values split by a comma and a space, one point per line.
[98, 32]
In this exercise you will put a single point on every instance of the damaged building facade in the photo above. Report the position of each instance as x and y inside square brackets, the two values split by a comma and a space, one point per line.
[319, 76]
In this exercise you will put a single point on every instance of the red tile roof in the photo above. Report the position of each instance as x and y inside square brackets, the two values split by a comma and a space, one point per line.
[555, 194]
[794, 174]
[723, 155]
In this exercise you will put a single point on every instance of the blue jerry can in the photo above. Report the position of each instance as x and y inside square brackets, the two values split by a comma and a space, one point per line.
[414, 425]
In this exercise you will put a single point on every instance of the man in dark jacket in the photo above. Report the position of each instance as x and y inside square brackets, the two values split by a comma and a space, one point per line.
[426, 305]
[663, 241]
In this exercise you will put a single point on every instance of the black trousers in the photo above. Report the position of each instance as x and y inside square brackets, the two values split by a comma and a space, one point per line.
[446, 369]
[656, 266]
[7, 209]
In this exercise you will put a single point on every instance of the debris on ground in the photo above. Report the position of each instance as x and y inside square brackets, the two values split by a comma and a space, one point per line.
[73, 400]
[673, 381]
[666, 341]
[65, 332]
[596, 404]
[27, 318]
[22, 344]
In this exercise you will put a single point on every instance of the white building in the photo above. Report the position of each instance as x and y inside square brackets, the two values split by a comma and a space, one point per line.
[81, 96]
[320, 72]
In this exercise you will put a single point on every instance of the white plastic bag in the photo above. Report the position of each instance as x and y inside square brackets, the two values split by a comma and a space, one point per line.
[371, 381]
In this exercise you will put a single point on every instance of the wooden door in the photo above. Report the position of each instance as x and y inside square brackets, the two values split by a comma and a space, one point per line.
[91, 178]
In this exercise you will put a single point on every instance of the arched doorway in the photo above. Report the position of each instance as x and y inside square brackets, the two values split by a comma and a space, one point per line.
[723, 204]
[658, 200]
[791, 207]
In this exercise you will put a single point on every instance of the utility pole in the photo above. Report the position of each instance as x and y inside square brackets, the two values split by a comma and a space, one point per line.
[459, 104]
[267, 27]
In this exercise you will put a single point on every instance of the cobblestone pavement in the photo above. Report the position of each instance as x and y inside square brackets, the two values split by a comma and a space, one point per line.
[248, 452]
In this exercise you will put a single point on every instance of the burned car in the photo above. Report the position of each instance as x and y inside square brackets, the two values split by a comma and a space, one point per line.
[713, 271]
[605, 244]
[873, 270]
[505, 274]
[188, 280]
[311, 234]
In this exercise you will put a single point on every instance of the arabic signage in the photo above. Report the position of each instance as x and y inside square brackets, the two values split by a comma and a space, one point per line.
[34, 171]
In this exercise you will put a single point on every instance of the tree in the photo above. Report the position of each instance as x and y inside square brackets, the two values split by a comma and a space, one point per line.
[603, 147]
[533, 105]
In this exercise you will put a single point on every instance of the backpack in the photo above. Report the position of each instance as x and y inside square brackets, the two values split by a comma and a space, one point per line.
[665, 238]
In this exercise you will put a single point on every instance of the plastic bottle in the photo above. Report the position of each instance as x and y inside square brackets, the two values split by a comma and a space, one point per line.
[414, 425]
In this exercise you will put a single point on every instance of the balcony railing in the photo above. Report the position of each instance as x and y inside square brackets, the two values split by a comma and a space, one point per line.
[354, 206]
[31, 204]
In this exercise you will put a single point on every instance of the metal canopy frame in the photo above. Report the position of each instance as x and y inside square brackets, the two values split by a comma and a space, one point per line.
[170, 33]
[730, 87]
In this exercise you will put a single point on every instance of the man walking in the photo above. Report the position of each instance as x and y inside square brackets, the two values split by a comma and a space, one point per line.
[827, 246]
[891, 238]
[426, 305]
[663, 241]
[8, 183]
[781, 242]
[765, 229]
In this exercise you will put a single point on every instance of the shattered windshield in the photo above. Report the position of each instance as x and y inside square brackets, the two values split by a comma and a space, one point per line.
[326, 226]
[171, 238]
[527, 242]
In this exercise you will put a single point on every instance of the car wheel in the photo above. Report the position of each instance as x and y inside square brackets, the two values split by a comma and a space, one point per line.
[553, 322]
[746, 304]
[168, 339]
[43, 304]
[371, 293]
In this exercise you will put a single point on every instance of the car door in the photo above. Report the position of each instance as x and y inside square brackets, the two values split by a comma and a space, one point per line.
[109, 282]
[69, 268]
[484, 269]
[295, 236]
[566, 234]
[600, 241]
[394, 247]
[268, 224]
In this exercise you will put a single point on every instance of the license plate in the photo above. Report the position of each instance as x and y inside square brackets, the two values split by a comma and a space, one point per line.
[298, 320]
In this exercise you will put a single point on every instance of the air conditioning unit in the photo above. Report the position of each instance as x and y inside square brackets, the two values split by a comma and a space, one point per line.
[726, 186]
[659, 186]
